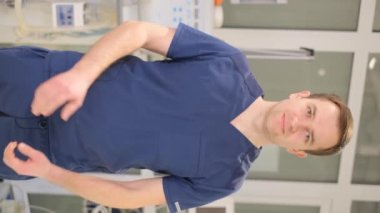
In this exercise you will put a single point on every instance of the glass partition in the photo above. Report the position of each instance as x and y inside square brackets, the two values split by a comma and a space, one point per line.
[366, 166]
[376, 22]
[296, 14]
[367, 207]
[270, 208]
[55, 203]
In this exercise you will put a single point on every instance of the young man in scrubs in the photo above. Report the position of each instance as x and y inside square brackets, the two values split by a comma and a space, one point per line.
[198, 117]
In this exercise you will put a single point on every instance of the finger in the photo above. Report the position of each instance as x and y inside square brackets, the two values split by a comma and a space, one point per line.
[54, 103]
[51, 104]
[48, 98]
[7, 155]
[10, 158]
[38, 102]
[69, 109]
[9, 149]
[28, 150]
[18, 165]
[13, 162]
[34, 110]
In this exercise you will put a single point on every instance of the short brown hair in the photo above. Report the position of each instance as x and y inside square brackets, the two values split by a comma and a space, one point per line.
[345, 124]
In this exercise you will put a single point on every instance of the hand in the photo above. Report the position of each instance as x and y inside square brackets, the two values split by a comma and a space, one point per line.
[37, 164]
[67, 89]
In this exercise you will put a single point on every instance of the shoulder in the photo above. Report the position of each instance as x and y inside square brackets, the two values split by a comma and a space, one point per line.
[190, 42]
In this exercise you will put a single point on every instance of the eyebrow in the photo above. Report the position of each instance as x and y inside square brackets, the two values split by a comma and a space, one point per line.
[314, 112]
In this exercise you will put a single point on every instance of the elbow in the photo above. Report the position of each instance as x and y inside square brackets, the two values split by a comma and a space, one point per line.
[136, 29]
[126, 205]
[123, 201]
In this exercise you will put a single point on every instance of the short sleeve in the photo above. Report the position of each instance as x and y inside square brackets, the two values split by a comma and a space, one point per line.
[185, 193]
[189, 42]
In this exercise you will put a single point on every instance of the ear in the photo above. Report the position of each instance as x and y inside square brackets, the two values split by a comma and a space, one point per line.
[301, 94]
[298, 153]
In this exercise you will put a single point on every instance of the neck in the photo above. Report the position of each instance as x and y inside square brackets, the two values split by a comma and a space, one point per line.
[251, 122]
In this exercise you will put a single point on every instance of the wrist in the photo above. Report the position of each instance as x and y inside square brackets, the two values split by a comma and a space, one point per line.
[88, 70]
[48, 172]
[83, 75]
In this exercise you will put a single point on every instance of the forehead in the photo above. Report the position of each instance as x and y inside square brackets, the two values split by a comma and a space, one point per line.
[325, 124]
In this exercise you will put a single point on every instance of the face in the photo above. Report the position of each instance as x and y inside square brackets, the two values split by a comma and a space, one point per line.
[299, 123]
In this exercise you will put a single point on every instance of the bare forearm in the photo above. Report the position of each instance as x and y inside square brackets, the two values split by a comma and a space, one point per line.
[118, 194]
[119, 42]
[102, 191]
[122, 41]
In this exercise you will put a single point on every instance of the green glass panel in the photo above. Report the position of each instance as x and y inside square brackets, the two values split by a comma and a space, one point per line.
[265, 208]
[56, 203]
[296, 14]
[367, 207]
[376, 22]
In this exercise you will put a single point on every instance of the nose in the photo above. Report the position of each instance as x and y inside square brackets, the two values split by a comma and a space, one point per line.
[297, 123]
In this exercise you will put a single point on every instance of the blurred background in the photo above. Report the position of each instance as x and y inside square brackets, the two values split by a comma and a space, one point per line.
[325, 45]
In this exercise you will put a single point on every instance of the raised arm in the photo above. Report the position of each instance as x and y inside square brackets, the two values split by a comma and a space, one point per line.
[116, 194]
[122, 41]
[69, 89]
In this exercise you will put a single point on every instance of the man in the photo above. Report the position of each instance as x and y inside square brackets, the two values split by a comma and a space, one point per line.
[198, 117]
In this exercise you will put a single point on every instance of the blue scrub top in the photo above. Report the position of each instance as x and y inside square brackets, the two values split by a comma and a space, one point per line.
[171, 116]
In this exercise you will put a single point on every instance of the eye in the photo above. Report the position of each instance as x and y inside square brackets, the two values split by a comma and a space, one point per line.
[307, 137]
[309, 111]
